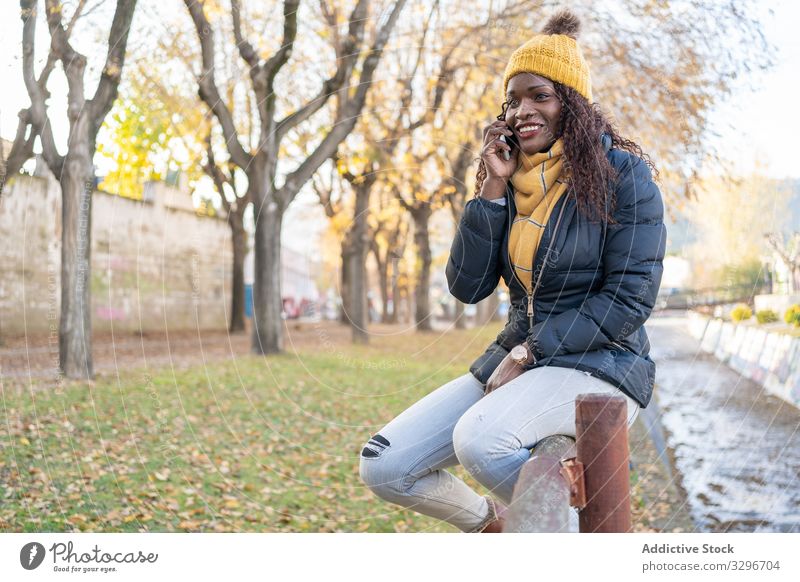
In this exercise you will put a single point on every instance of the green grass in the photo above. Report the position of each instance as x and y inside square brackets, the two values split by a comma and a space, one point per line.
[255, 444]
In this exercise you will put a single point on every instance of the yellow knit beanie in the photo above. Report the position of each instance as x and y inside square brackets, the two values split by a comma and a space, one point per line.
[554, 54]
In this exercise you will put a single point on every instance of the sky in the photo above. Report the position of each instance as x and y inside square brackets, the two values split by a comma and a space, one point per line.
[763, 125]
[755, 126]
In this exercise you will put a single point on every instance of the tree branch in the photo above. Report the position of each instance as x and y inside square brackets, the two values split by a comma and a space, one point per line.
[75, 16]
[372, 60]
[346, 57]
[108, 87]
[263, 76]
[776, 242]
[73, 62]
[280, 58]
[220, 178]
[21, 149]
[216, 174]
[326, 198]
[246, 50]
[402, 199]
[408, 82]
[208, 90]
[36, 89]
[30, 122]
[341, 129]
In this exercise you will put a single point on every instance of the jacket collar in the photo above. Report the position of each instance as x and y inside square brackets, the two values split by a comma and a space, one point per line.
[605, 139]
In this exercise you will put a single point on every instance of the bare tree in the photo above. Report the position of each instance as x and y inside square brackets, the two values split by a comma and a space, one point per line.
[789, 254]
[383, 133]
[234, 214]
[420, 199]
[455, 193]
[387, 242]
[270, 201]
[74, 169]
[354, 252]
[332, 198]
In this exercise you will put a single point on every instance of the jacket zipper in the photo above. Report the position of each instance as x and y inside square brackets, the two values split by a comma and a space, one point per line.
[620, 346]
[528, 295]
[531, 294]
[544, 262]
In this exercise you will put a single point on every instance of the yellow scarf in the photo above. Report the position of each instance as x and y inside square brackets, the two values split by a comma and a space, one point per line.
[538, 185]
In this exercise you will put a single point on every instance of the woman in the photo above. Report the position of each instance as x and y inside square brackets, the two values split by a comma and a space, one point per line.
[573, 223]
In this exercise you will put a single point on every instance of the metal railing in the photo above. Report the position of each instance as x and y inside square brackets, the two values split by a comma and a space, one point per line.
[591, 473]
[710, 296]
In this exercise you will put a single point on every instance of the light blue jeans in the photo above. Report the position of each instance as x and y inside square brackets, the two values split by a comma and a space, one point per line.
[491, 436]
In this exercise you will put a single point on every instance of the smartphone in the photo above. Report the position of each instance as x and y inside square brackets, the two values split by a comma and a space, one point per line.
[512, 141]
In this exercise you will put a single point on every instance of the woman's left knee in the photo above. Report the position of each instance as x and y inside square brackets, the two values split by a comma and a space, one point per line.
[473, 442]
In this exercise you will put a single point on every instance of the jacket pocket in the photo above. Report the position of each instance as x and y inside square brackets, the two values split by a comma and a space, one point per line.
[515, 330]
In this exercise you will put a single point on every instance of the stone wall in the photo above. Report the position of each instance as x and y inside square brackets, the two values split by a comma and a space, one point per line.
[156, 265]
[768, 357]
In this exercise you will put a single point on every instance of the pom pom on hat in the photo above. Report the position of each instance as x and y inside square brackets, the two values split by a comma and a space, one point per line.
[563, 22]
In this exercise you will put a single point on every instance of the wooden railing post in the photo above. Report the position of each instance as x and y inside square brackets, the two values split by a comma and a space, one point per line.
[602, 442]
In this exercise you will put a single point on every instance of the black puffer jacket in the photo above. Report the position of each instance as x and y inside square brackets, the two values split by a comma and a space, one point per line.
[597, 289]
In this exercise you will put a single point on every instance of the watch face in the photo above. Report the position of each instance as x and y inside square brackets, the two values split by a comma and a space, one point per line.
[519, 353]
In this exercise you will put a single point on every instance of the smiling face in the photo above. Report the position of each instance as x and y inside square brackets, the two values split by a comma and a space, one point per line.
[533, 112]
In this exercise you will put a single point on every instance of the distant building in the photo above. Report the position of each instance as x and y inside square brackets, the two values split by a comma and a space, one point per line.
[677, 273]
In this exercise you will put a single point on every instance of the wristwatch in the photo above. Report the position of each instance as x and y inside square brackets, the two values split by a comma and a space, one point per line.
[520, 354]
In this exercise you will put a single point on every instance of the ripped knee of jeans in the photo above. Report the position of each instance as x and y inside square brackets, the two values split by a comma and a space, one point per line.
[375, 446]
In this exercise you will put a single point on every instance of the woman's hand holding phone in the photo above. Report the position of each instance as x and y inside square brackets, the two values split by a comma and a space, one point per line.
[499, 157]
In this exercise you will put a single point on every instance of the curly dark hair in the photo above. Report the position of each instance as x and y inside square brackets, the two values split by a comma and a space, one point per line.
[581, 125]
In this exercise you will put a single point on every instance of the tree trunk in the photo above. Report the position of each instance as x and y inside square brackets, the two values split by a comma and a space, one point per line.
[239, 240]
[75, 325]
[461, 319]
[487, 310]
[408, 305]
[358, 299]
[344, 285]
[383, 284]
[393, 317]
[495, 303]
[359, 312]
[457, 210]
[422, 290]
[73, 171]
[267, 299]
